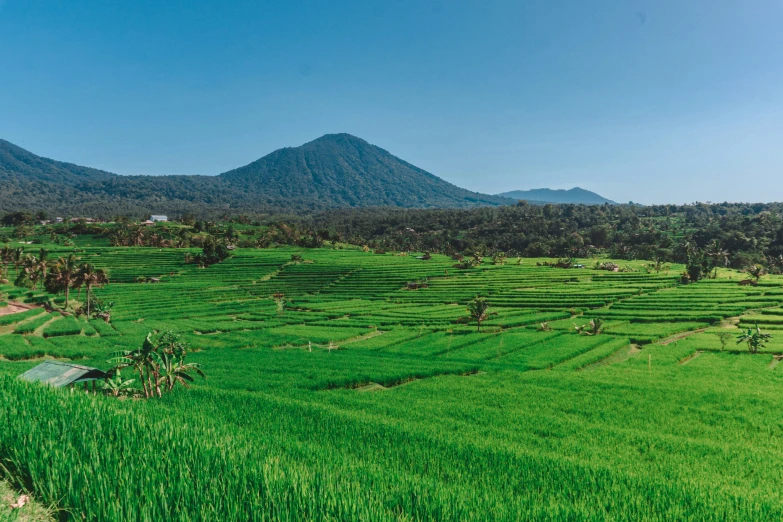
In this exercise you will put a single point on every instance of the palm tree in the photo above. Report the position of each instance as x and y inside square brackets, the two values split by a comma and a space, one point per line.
[43, 255]
[31, 271]
[718, 255]
[754, 338]
[499, 258]
[756, 272]
[35, 268]
[478, 310]
[63, 276]
[17, 258]
[90, 277]
[6, 255]
[137, 236]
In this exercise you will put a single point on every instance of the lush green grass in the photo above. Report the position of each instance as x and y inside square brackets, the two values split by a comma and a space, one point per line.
[363, 400]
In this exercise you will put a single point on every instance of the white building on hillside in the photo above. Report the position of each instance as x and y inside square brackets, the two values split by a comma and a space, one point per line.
[159, 218]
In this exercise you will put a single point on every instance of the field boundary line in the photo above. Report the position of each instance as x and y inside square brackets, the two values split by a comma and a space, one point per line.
[689, 358]
[679, 336]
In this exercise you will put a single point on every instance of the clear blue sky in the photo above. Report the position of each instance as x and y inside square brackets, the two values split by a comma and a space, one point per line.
[651, 101]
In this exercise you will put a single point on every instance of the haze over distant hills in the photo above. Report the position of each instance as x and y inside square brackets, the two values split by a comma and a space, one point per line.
[336, 170]
[544, 195]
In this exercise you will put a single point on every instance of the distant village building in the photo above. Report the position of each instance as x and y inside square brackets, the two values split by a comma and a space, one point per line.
[59, 374]
[159, 218]
[58, 220]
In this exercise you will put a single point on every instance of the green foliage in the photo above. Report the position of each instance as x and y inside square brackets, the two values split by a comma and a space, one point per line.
[215, 251]
[159, 363]
[594, 327]
[66, 326]
[116, 386]
[478, 310]
[754, 339]
[28, 327]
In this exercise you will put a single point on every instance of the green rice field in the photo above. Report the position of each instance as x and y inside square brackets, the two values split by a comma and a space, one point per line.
[363, 400]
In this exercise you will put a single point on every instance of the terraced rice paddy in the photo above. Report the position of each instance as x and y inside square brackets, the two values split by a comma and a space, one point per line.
[363, 400]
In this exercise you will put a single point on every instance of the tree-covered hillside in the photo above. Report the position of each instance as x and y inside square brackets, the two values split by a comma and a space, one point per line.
[346, 171]
[336, 170]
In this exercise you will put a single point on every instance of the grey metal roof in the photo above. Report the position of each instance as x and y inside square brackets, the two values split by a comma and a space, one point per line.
[59, 374]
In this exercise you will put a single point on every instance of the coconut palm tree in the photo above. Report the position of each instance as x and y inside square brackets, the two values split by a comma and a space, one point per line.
[137, 236]
[17, 258]
[63, 276]
[43, 256]
[90, 277]
[478, 310]
[717, 255]
[30, 271]
[756, 272]
[6, 255]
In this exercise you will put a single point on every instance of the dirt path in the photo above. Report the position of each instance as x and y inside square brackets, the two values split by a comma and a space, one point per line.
[775, 361]
[15, 308]
[364, 337]
[680, 336]
[374, 386]
[39, 331]
[370, 387]
[731, 323]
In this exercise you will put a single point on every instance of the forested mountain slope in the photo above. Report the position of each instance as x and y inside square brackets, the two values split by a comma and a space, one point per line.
[336, 170]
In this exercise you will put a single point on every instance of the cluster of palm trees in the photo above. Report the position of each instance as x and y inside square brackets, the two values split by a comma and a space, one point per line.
[469, 262]
[61, 275]
[142, 236]
[11, 256]
[159, 363]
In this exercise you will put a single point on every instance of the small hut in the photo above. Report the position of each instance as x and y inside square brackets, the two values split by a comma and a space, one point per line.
[60, 374]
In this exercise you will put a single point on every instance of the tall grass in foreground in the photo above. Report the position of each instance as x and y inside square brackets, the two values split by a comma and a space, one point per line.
[124, 461]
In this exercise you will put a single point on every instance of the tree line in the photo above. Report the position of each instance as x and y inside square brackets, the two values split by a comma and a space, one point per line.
[703, 236]
[62, 275]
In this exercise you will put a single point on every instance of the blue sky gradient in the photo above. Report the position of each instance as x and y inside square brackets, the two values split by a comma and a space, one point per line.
[651, 101]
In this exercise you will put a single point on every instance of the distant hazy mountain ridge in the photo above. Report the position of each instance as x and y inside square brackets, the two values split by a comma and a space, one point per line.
[575, 195]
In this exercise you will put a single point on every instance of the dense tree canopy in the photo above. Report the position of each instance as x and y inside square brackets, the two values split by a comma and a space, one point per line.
[700, 235]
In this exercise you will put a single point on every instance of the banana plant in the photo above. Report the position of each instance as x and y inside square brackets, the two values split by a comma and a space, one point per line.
[174, 370]
[117, 386]
[754, 339]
